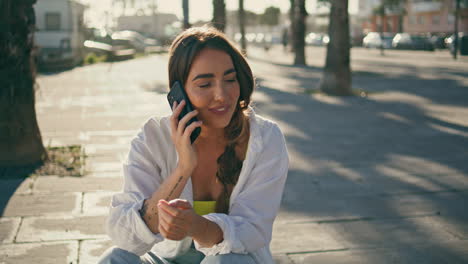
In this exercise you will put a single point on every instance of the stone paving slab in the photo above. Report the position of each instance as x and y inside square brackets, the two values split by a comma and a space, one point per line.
[92, 166]
[97, 203]
[111, 158]
[455, 222]
[292, 238]
[454, 252]
[104, 174]
[56, 184]
[8, 228]
[17, 186]
[91, 250]
[367, 181]
[282, 259]
[36, 229]
[40, 253]
[43, 204]
[323, 206]
[381, 233]
[104, 149]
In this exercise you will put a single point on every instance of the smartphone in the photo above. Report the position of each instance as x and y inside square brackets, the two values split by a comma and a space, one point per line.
[177, 94]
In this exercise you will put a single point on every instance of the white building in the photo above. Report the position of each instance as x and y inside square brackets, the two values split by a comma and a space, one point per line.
[59, 34]
[156, 25]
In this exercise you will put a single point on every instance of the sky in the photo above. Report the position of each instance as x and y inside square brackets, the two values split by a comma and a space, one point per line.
[198, 9]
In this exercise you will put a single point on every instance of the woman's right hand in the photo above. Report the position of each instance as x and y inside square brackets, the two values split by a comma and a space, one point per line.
[180, 135]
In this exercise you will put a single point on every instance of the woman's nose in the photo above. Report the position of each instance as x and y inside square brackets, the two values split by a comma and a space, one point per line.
[220, 91]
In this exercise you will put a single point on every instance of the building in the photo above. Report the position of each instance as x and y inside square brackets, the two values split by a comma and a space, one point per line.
[60, 32]
[434, 16]
[371, 22]
[157, 26]
[418, 17]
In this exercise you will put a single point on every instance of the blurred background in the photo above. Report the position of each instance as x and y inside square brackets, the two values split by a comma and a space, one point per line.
[68, 31]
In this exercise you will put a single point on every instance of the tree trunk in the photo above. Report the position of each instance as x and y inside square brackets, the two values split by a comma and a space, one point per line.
[300, 14]
[455, 31]
[382, 28]
[291, 19]
[400, 22]
[242, 27]
[336, 79]
[185, 9]
[20, 138]
[219, 14]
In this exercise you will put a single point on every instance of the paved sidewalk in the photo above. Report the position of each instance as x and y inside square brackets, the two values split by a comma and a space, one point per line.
[375, 179]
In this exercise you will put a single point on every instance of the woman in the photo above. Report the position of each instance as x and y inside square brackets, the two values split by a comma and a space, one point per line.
[213, 201]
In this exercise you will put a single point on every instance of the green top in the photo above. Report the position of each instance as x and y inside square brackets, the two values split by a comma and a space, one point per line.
[204, 207]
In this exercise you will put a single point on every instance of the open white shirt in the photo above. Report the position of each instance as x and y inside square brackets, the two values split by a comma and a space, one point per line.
[253, 204]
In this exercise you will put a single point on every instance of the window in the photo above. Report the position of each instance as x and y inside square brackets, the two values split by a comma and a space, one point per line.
[52, 21]
[421, 20]
[435, 20]
[412, 20]
[450, 19]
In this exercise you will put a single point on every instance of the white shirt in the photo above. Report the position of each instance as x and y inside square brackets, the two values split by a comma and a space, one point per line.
[253, 204]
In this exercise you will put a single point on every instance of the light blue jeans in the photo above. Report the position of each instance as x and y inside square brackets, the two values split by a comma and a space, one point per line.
[119, 256]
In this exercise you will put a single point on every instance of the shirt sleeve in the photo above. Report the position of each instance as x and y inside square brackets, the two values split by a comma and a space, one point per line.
[142, 177]
[248, 227]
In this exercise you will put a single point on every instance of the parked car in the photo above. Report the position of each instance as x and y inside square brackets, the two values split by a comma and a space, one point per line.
[375, 40]
[139, 42]
[438, 41]
[250, 37]
[412, 42]
[462, 43]
[120, 50]
[317, 39]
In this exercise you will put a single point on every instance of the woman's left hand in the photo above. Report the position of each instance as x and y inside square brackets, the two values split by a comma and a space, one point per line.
[176, 219]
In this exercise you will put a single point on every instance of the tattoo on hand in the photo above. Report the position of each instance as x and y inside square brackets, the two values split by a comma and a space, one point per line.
[175, 187]
[144, 208]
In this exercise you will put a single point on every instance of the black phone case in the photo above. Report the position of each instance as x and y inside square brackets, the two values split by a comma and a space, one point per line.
[177, 94]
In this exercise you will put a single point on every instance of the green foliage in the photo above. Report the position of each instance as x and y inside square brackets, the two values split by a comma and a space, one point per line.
[251, 18]
[463, 3]
[396, 6]
[64, 161]
[92, 58]
[270, 16]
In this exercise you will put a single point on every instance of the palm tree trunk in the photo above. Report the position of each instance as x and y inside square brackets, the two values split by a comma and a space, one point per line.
[20, 138]
[382, 28]
[219, 14]
[185, 8]
[300, 14]
[292, 20]
[336, 79]
[242, 27]
[455, 31]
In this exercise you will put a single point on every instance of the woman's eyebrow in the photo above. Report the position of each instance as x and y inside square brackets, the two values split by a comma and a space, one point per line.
[229, 71]
[211, 75]
[205, 75]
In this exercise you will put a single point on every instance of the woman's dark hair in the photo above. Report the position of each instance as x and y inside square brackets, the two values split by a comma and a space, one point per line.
[183, 51]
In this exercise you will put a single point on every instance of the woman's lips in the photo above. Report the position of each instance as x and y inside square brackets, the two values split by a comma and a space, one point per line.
[220, 110]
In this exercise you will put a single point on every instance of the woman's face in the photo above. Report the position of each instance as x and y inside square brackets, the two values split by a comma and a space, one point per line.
[212, 87]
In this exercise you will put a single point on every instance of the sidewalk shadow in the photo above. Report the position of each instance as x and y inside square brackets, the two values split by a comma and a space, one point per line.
[377, 146]
[11, 179]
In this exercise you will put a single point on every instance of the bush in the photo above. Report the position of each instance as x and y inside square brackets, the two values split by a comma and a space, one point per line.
[92, 58]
